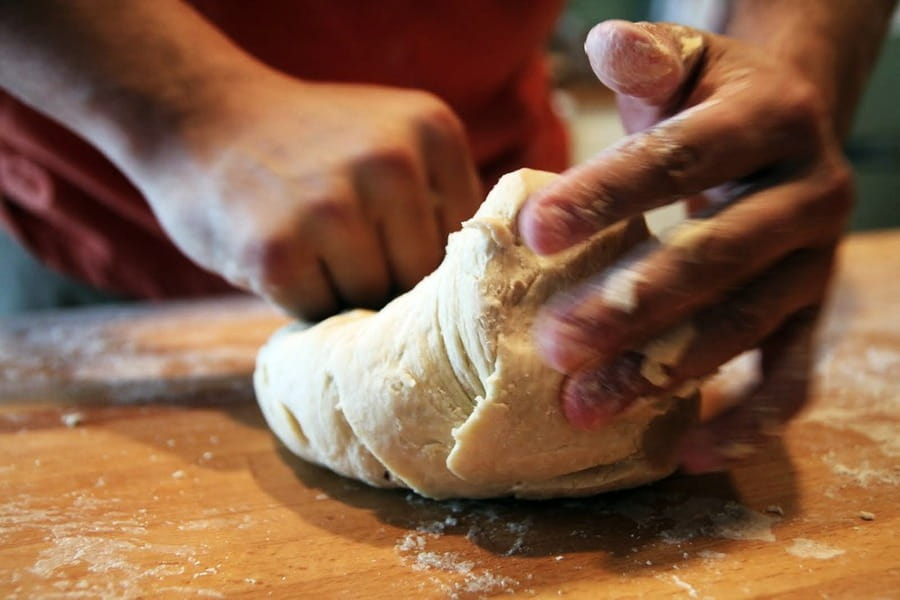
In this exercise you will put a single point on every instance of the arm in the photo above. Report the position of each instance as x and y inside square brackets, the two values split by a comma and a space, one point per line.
[752, 123]
[833, 44]
[315, 196]
[123, 75]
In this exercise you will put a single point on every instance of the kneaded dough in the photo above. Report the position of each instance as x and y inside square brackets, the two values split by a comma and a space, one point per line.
[443, 392]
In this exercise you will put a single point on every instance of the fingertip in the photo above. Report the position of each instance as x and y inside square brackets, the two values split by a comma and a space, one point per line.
[538, 230]
[560, 343]
[638, 60]
[588, 403]
[551, 222]
[605, 35]
[582, 413]
[310, 308]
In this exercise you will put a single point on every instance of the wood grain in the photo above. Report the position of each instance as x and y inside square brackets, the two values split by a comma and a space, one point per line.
[135, 463]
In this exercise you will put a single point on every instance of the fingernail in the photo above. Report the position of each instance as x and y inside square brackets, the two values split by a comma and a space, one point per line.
[595, 398]
[631, 60]
[552, 224]
[562, 344]
[587, 407]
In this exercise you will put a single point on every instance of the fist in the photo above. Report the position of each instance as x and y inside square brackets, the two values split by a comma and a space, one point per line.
[315, 196]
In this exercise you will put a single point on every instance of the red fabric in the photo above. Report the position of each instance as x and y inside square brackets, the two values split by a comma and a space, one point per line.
[76, 212]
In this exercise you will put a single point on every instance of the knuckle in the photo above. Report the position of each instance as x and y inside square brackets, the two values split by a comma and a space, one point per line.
[677, 161]
[840, 188]
[293, 283]
[392, 161]
[711, 243]
[801, 108]
[270, 262]
[832, 201]
[434, 110]
[324, 212]
[437, 120]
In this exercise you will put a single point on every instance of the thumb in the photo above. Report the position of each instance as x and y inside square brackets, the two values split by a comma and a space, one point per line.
[646, 61]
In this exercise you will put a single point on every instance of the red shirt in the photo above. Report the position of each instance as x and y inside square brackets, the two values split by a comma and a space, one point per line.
[72, 208]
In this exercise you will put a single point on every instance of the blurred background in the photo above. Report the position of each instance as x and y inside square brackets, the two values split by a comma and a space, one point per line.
[873, 147]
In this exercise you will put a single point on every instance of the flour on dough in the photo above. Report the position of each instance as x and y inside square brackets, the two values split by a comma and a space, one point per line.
[443, 391]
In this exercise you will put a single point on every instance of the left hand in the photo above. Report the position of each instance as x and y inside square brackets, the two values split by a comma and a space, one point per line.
[707, 115]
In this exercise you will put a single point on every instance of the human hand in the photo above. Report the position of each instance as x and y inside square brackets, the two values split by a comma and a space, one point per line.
[708, 115]
[315, 196]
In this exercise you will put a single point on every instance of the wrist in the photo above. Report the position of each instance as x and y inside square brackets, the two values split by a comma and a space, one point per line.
[830, 44]
[140, 124]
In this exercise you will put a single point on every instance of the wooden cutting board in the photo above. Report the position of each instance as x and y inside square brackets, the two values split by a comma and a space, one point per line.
[135, 463]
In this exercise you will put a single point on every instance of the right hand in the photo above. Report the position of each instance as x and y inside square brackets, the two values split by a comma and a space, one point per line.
[716, 115]
[314, 196]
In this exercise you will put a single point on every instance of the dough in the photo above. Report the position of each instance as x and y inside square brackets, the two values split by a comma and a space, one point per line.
[443, 392]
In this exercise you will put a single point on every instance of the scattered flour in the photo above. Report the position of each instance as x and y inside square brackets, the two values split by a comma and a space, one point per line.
[520, 530]
[450, 562]
[806, 548]
[863, 475]
[130, 353]
[684, 518]
[883, 431]
[217, 523]
[860, 383]
[91, 548]
[858, 378]
[691, 592]
[659, 517]
[72, 419]
[467, 576]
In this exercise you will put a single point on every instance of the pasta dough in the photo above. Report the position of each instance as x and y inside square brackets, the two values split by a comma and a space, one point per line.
[443, 392]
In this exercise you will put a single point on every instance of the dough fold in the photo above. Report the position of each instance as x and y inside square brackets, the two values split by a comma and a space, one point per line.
[443, 392]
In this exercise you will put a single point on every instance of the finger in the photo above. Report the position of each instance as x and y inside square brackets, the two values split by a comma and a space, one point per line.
[716, 335]
[452, 176]
[649, 61]
[334, 228]
[396, 198]
[310, 295]
[354, 259]
[279, 262]
[784, 390]
[698, 265]
[701, 148]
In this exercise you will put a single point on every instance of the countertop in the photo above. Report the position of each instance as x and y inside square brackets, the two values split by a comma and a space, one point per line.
[135, 463]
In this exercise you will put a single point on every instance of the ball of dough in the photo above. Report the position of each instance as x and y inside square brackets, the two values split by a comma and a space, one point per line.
[443, 392]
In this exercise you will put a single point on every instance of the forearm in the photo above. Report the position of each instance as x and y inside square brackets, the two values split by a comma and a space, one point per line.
[834, 43]
[121, 74]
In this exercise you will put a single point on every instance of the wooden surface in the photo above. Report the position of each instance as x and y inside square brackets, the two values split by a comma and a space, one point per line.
[135, 463]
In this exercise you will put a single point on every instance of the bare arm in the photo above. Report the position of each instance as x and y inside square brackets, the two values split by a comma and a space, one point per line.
[834, 43]
[121, 74]
[315, 196]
